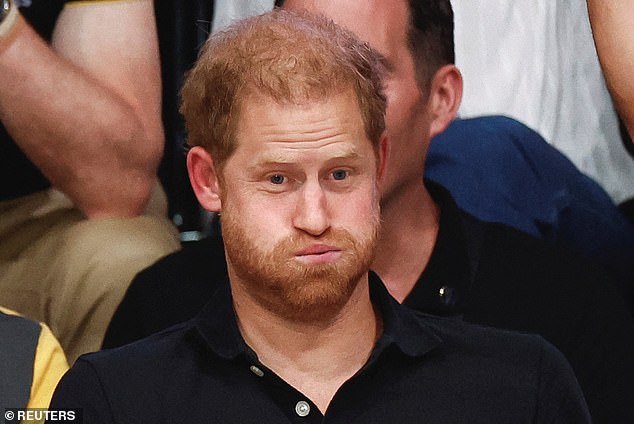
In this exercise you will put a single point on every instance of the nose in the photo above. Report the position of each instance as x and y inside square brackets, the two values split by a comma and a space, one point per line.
[311, 213]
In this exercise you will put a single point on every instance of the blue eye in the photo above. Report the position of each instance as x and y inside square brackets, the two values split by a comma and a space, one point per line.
[339, 174]
[277, 179]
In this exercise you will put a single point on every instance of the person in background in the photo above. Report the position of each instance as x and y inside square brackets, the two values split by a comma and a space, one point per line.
[542, 192]
[611, 24]
[81, 210]
[229, 11]
[500, 170]
[285, 117]
[535, 62]
[31, 362]
[611, 29]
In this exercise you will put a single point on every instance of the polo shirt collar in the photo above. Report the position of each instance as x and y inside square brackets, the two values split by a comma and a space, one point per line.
[402, 327]
[217, 324]
[444, 285]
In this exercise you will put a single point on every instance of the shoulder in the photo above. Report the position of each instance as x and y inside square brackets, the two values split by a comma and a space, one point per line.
[31, 358]
[495, 134]
[145, 366]
[196, 258]
[49, 366]
[170, 291]
[482, 340]
[519, 374]
[521, 277]
[506, 243]
[143, 355]
[9, 318]
[534, 371]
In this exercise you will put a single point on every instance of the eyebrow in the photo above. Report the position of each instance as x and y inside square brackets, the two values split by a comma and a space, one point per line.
[280, 159]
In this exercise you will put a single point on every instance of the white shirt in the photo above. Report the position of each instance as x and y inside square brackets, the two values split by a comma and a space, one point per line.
[536, 62]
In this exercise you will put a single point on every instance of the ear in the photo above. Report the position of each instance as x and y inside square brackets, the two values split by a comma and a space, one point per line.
[204, 178]
[444, 99]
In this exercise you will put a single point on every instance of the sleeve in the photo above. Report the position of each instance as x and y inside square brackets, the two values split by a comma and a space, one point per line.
[81, 389]
[559, 399]
[48, 368]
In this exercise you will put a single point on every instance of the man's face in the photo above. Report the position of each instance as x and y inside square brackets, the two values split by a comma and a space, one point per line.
[383, 24]
[300, 204]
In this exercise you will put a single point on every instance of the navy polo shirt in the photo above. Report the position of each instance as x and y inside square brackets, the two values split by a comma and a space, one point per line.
[422, 369]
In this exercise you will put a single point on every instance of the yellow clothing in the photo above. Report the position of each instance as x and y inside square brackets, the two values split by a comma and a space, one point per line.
[49, 364]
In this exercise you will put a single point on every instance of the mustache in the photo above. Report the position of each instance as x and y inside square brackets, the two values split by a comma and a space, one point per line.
[338, 238]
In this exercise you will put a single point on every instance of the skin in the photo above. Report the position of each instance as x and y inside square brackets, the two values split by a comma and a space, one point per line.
[409, 215]
[79, 108]
[611, 23]
[300, 172]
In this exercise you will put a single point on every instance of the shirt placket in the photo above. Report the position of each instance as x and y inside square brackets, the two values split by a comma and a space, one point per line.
[296, 406]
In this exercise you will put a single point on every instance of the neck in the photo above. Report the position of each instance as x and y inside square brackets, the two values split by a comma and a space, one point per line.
[315, 357]
[409, 228]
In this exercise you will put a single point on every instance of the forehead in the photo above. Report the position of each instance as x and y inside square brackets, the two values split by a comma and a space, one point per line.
[383, 24]
[281, 131]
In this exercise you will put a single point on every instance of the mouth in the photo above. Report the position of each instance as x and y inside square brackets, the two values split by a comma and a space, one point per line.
[319, 254]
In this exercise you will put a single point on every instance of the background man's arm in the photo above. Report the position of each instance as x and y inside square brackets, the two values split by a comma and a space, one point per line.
[612, 30]
[87, 109]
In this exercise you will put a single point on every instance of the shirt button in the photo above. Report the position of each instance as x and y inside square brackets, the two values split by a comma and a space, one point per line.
[255, 370]
[448, 295]
[302, 408]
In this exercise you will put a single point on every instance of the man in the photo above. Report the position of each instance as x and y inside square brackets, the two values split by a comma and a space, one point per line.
[432, 256]
[80, 142]
[515, 180]
[291, 158]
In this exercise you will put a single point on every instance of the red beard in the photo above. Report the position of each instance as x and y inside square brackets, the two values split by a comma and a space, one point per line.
[294, 289]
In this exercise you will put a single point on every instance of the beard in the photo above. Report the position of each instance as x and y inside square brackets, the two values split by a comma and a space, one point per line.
[293, 289]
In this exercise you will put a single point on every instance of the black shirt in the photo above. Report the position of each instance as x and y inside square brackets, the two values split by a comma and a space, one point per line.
[479, 272]
[422, 369]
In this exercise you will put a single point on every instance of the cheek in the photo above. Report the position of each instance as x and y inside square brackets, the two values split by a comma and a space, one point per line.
[262, 227]
[360, 210]
[258, 216]
[405, 121]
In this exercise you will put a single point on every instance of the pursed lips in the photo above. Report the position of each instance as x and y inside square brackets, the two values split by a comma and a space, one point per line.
[318, 254]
